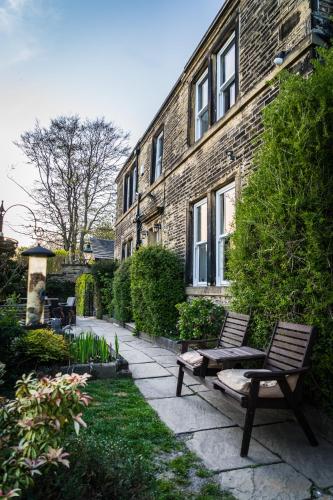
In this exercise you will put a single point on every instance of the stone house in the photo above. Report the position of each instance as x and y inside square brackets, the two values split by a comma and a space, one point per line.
[178, 187]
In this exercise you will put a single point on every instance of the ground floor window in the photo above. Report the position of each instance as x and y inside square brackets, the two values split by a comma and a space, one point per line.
[127, 249]
[225, 211]
[200, 243]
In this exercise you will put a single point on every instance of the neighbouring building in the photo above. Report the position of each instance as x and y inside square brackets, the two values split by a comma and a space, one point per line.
[179, 185]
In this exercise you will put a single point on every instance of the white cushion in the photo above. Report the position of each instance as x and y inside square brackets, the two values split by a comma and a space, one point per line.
[235, 379]
[195, 359]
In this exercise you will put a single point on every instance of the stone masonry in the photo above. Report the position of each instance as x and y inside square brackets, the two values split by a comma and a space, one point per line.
[193, 169]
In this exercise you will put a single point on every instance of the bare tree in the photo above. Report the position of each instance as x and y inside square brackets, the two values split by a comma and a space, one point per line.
[77, 163]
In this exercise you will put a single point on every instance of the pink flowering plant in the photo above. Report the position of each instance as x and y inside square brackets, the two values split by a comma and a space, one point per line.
[31, 427]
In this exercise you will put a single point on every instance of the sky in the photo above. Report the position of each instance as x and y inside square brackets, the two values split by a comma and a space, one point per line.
[113, 58]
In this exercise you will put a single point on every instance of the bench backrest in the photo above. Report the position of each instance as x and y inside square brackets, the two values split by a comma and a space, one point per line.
[234, 330]
[290, 346]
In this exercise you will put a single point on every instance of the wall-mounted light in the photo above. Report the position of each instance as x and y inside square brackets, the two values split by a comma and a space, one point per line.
[157, 227]
[280, 57]
[142, 169]
[144, 234]
[230, 155]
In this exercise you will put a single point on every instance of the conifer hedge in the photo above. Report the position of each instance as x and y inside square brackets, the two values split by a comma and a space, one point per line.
[157, 285]
[281, 261]
[84, 293]
[122, 303]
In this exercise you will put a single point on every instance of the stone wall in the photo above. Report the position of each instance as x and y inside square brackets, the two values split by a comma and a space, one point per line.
[193, 170]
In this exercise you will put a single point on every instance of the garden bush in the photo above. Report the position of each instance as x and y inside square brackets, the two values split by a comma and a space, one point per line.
[157, 285]
[59, 288]
[122, 302]
[103, 272]
[9, 329]
[41, 346]
[199, 318]
[282, 253]
[84, 292]
[31, 425]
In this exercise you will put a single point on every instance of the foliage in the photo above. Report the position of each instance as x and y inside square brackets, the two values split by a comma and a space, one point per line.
[31, 425]
[157, 285]
[116, 346]
[122, 453]
[76, 162]
[282, 257]
[122, 307]
[84, 293]
[2, 371]
[54, 265]
[13, 274]
[199, 318]
[88, 347]
[9, 330]
[104, 230]
[103, 272]
[59, 288]
[41, 346]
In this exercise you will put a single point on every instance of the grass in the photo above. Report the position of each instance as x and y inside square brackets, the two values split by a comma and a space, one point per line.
[126, 452]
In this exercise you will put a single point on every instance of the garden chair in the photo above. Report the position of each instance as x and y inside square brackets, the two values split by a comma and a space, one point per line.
[233, 334]
[278, 384]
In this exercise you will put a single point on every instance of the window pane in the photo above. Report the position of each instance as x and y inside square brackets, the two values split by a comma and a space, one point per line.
[232, 95]
[228, 66]
[201, 229]
[204, 123]
[229, 211]
[202, 258]
[223, 258]
[203, 94]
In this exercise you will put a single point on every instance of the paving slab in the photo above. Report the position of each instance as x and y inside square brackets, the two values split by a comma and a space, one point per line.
[166, 361]
[237, 414]
[220, 449]
[133, 357]
[165, 387]
[148, 370]
[188, 379]
[290, 443]
[269, 482]
[188, 414]
[155, 351]
[198, 388]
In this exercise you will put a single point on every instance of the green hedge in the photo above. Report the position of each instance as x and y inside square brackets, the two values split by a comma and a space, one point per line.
[84, 292]
[122, 303]
[199, 318]
[157, 285]
[282, 258]
[103, 272]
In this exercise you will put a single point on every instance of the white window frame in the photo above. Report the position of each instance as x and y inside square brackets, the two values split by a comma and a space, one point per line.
[134, 174]
[158, 155]
[222, 86]
[220, 281]
[197, 244]
[200, 112]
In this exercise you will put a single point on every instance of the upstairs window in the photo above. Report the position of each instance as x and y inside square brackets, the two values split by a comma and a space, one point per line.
[130, 187]
[225, 211]
[200, 243]
[226, 77]
[127, 249]
[157, 157]
[201, 105]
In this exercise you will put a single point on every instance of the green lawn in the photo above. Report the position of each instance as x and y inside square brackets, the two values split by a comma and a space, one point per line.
[126, 453]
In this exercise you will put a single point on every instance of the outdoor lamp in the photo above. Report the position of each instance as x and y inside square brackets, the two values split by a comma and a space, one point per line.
[280, 57]
[36, 283]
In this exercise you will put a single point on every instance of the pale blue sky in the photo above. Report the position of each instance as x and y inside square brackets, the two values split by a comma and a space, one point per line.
[117, 59]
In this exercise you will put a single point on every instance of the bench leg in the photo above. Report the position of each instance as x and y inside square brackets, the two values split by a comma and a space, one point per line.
[300, 417]
[180, 381]
[250, 413]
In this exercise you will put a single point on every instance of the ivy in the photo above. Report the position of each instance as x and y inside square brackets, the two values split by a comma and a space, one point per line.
[84, 292]
[282, 249]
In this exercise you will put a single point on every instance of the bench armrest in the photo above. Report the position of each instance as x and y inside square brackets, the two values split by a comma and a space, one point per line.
[274, 375]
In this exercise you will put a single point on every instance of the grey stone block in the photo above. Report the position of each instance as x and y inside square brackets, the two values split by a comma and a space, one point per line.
[148, 370]
[270, 482]
[159, 387]
[166, 361]
[133, 357]
[188, 414]
[289, 441]
[220, 449]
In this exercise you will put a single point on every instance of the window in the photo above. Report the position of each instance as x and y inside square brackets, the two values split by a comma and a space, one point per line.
[130, 187]
[226, 77]
[201, 105]
[200, 243]
[225, 210]
[127, 249]
[157, 157]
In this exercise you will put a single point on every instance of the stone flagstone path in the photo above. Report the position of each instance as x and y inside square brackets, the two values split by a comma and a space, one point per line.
[281, 464]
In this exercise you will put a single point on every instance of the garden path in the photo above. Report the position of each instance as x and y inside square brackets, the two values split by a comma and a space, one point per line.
[281, 464]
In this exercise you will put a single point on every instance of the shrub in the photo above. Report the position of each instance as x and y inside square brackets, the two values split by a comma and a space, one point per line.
[9, 329]
[30, 428]
[41, 346]
[122, 303]
[157, 285]
[2, 372]
[282, 260]
[84, 292]
[199, 318]
[59, 288]
[89, 347]
[103, 272]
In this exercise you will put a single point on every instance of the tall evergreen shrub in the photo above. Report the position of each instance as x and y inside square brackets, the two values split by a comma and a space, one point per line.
[282, 257]
[122, 302]
[157, 285]
[103, 272]
[84, 292]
